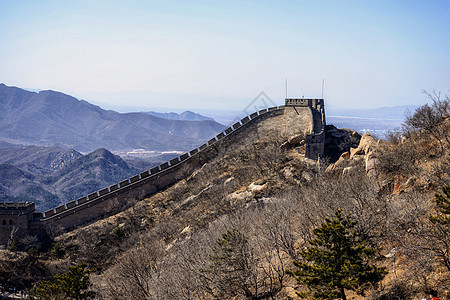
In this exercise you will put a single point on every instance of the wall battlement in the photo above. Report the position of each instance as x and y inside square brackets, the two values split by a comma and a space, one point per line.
[301, 102]
[118, 196]
[16, 206]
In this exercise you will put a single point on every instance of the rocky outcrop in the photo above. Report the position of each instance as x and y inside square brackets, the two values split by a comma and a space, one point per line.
[339, 141]
[293, 141]
[365, 152]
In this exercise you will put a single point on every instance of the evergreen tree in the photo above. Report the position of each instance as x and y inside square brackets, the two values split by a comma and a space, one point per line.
[337, 259]
[443, 204]
[440, 245]
[73, 284]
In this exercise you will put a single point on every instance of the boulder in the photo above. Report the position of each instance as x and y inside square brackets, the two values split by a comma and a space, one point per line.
[366, 144]
[285, 145]
[370, 161]
[356, 151]
[347, 170]
[345, 155]
[364, 152]
[295, 140]
[338, 141]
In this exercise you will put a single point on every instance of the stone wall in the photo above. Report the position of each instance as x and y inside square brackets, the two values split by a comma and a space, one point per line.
[14, 216]
[119, 196]
[297, 113]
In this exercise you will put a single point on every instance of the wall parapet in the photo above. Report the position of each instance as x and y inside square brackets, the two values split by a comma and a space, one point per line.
[301, 102]
[16, 207]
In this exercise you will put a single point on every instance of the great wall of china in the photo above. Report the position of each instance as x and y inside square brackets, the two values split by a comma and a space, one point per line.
[23, 218]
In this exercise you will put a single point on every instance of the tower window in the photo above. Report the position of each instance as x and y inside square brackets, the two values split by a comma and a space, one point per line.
[4, 222]
[10, 222]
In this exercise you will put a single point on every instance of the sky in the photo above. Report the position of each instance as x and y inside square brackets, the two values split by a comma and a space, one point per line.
[217, 55]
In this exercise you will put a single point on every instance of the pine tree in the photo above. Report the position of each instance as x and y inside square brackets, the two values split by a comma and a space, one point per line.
[337, 259]
[443, 204]
[73, 284]
[441, 228]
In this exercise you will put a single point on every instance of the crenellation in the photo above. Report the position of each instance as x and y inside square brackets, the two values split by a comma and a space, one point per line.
[254, 115]
[184, 156]
[103, 192]
[92, 196]
[71, 204]
[245, 120]
[113, 187]
[82, 200]
[49, 213]
[13, 205]
[154, 170]
[144, 174]
[164, 166]
[59, 209]
[236, 125]
[202, 147]
[174, 161]
[220, 136]
[229, 129]
[192, 152]
[135, 178]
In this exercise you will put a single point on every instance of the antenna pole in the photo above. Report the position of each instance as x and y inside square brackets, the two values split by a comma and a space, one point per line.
[323, 83]
[286, 88]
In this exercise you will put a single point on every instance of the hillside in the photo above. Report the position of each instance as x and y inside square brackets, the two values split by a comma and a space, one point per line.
[51, 176]
[233, 227]
[21, 186]
[38, 160]
[50, 118]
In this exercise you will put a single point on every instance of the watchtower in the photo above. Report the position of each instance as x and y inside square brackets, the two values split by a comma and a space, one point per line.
[15, 216]
[315, 141]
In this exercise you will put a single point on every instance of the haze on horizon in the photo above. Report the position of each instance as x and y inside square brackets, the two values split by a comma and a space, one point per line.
[203, 54]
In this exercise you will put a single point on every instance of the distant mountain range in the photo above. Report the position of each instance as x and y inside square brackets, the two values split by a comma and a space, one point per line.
[385, 113]
[378, 121]
[50, 176]
[184, 116]
[49, 118]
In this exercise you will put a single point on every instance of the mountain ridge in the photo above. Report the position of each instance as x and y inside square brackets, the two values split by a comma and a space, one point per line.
[50, 176]
[49, 118]
[184, 116]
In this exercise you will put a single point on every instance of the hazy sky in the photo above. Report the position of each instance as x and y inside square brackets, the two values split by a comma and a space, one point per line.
[220, 55]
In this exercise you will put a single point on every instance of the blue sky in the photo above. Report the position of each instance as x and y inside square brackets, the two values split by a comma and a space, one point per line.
[220, 55]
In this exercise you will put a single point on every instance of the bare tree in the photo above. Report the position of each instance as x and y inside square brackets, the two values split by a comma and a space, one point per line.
[133, 275]
[429, 119]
